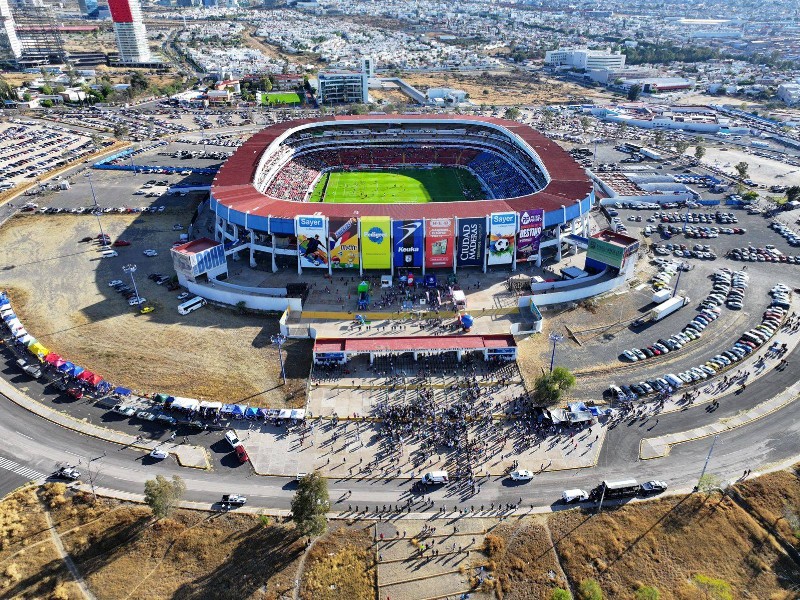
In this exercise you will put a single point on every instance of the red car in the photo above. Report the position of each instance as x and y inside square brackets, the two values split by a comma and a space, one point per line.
[121, 243]
[241, 454]
[75, 392]
[101, 236]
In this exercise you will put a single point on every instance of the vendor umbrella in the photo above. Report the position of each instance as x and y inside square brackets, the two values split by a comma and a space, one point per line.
[53, 358]
[77, 371]
[85, 376]
[30, 342]
[38, 349]
[66, 367]
[96, 380]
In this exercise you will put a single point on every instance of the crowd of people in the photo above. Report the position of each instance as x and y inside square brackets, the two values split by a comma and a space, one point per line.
[504, 180]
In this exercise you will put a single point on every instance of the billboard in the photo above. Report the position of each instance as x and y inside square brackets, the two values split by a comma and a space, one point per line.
[531, 225]
[311, 245]
[502, 238]
[439, 239]
[207, 260]
[408, 243]
[471, 242]
[605, 252]
[376, 245]
[343, 243]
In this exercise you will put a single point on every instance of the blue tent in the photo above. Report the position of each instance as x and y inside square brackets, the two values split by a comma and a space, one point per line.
[467, 321]
[227, 408]
[76, 370]
[238, 409]
[251, 412]
[66, 367]
[9, 317]
[121, 391]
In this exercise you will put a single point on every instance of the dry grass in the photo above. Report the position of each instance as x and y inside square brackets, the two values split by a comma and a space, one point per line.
[776, 499]
[340, 565]
[59, 289]
[502, 89]
[521, 561]
[665, 543]
[30, 566]
[123, 554]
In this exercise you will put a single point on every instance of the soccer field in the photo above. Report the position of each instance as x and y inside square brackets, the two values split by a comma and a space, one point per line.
[398, 186]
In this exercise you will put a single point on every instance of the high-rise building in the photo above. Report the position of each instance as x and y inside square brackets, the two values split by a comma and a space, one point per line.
[336, 87]
[130, 31]
[10, 44]
[38, 32]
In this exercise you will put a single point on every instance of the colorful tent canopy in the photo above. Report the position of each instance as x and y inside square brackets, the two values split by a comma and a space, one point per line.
[85, 376]
[31, 341]
[95, 380]
[38, 349]
[54, 359]
[161, 397]
[251, 412]
[121, 391]
[238, 409]
[76, 371]
[66, 366]
[24, 338]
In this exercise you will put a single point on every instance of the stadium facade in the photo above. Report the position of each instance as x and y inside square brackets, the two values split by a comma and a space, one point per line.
[536, 195]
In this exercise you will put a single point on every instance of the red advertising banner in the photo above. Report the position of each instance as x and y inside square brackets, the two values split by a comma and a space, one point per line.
[439, 241]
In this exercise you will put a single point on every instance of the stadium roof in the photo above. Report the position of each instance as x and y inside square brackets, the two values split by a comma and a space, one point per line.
[233, 187]
[415, 344]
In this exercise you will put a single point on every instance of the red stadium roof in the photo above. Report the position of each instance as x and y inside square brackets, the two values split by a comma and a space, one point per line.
[232, 187]
[414, 344]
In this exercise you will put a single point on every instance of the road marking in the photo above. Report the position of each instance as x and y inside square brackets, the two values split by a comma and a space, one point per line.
[10, 465]
[73, 454]
[23, 435]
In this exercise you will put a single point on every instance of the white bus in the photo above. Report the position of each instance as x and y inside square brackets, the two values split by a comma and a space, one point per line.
[190, 305]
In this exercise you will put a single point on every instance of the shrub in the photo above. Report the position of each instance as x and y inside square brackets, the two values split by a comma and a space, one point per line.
[493, 545]
[715, 589]
[589, 589]
[647, 592]
[560, 594]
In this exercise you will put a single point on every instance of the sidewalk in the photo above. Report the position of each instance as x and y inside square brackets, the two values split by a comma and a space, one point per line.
[188, 456]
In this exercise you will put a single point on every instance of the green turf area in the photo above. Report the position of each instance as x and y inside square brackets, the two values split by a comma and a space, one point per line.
[283, 98]
[397, 186]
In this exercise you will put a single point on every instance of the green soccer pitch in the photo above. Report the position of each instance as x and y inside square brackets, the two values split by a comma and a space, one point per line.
[397, 186]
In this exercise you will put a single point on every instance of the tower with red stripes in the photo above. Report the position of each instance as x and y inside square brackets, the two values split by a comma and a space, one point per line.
[130, 31]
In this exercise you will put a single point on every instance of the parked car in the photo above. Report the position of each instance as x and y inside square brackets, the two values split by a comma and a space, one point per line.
[121, 243]
[241, 454]
[522, 475]
[158, 454]
[67, 472]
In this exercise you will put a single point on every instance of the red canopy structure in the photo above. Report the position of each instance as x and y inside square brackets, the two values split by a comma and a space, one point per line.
[95, 379]
[54, 359]
[86, 376]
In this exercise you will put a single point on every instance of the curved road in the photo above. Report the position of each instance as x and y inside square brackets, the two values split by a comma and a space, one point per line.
[35, 444]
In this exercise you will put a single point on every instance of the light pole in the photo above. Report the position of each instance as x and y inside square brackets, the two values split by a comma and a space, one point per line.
[96, 209]
[705, 465]
[130, 270]
[555, 338]
[279, 340]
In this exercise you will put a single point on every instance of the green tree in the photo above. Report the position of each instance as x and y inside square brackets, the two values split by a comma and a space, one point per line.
[681, 146]
[742, 168]
[585, 122]
[713, 589]
[309, 505]
[161, 494]
[6, 91]
[560, 594]
[550, 387]
[589, 589]
[699, 151]
[658, 137]
[47, 90]
[138, 83]
[647, 592]
[708, 483]
[793, 193]
[512, 113]
[120, 130]
[634, 92]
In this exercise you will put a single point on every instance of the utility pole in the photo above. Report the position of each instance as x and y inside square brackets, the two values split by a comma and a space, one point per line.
[705, 465]
[555, 338]
[91, 475]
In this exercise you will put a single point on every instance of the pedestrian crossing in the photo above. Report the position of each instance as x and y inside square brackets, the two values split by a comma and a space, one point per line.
[10, 465]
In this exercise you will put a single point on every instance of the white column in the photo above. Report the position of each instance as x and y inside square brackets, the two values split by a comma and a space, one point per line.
[459, 355]
[371, 357]
[235, 255]
[252, 251]
[274, 264]
[558, 242]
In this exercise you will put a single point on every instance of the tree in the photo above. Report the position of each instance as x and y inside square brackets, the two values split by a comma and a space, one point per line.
[309, 505]
[560, 594]
[741, 169]
[699, 151]
[793, 193]
[585, 122]
[120, 130]
[658, 137]
[512, 113]
[138, 83]
[549, 387]
[161, 494]
[589, 589]
[647, 592]
[681, 146]
[714, 589]
[634, 92]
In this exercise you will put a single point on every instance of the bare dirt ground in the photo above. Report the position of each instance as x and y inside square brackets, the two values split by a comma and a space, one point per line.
[667, 544]
[506, 88]
[776, 499]
[60, 290]
[389, 95]
[762, 170]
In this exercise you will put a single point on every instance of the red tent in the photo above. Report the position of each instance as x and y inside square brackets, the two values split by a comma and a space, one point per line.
[54, 359]
[95, 379]
[86, 376]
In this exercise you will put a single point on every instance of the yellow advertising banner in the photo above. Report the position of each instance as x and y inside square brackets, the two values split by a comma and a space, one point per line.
[376, 243]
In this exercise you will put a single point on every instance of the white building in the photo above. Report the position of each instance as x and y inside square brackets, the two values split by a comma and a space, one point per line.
[130, 31]
[583, 58]
[345, 87]
[446, 96]
[10, 44]
[789, 93]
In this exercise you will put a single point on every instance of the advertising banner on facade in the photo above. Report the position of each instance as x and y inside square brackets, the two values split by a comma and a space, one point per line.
[343, 243]
[531, 225]
[376, 245]
[408, 243]
[439, 239]
[471, 242]
[606, 252]
[502, 236]
[311, 245]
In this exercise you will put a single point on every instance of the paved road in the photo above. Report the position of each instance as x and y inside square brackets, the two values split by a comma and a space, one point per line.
[41, 446]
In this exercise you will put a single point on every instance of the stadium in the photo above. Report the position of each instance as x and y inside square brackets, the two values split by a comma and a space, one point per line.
[382, 192]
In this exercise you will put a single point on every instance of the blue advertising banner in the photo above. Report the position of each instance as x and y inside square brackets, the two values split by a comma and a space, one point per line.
[471, 242]
[408, 243]
[311, 242]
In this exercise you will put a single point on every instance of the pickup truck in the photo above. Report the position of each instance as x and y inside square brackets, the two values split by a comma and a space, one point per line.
[231, 500]
[70, 473]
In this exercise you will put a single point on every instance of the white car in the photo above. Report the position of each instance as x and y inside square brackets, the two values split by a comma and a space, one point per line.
[158, 454]
[150, 252]
[135, 301]
[630, 356]
[521, 475]
[576, 495]
[183, 295]
[114, 282]
[654, 487]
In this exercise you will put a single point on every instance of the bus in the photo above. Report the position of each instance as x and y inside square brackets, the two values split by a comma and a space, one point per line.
[190, 305]
[616, 489]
